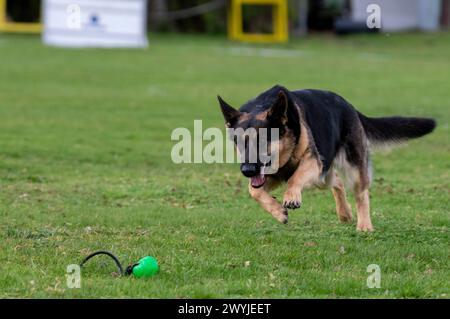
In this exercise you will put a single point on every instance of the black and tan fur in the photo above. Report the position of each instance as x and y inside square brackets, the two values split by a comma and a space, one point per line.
[323, 142]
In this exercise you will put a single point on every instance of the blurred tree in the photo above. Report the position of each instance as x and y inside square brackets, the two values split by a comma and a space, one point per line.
[210, 16]
[188, 15]
[322, 13]
[207, 16]
[298, 15]
[157, 15]
[445, 19]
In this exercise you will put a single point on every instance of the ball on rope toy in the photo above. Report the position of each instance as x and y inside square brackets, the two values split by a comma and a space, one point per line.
[146, 267]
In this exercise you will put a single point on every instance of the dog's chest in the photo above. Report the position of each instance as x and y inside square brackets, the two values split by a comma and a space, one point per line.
[285, 172]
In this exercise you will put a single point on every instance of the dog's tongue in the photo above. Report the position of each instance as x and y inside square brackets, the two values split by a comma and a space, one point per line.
[258, 180]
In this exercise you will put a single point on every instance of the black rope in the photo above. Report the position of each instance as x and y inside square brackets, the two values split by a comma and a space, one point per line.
[102, 252]
[190, 12]
[129, 269]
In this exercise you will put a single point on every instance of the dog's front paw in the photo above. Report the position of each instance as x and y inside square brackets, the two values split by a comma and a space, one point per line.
[282, 216]
[292, 200]
[364, 226]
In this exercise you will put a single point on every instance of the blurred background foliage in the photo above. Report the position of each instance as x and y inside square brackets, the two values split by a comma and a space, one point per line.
[23, 10]
[321, 15]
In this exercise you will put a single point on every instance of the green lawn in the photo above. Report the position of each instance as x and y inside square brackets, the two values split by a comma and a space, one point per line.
[85, 165]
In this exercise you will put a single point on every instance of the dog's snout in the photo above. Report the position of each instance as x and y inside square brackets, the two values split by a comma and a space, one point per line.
[249, 170]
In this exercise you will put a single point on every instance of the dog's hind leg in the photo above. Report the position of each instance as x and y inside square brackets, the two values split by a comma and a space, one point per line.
[343, 208]
[357, 171]
[361, 189]
[269, 203]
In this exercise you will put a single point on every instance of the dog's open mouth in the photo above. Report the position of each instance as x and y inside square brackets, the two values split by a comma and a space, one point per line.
[258, 180]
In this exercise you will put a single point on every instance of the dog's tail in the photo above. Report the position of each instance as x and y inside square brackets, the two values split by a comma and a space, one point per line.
[386, 131]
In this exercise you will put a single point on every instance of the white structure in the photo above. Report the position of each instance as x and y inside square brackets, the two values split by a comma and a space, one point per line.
[95, 23]
[400, 15]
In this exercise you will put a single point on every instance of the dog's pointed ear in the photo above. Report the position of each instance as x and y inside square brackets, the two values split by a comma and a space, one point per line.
[230, 114]
[278, 112]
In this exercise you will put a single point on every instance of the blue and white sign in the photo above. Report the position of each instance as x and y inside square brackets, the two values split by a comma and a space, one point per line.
[401, 15]
[95, 23]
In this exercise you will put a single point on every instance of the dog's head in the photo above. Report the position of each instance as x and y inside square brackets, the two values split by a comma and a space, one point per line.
[259, 120]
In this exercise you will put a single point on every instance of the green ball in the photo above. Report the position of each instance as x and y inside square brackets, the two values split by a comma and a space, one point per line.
[147, 267]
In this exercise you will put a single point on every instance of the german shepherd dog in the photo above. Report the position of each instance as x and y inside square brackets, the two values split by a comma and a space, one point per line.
[323, 141]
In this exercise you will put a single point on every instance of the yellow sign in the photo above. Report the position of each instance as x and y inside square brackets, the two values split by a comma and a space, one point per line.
[280, 20]
[7, 26]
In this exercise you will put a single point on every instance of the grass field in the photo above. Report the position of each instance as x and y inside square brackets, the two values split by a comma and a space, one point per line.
[85, 165]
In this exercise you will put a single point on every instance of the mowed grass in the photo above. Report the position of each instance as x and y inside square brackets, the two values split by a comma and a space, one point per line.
[85, 165]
